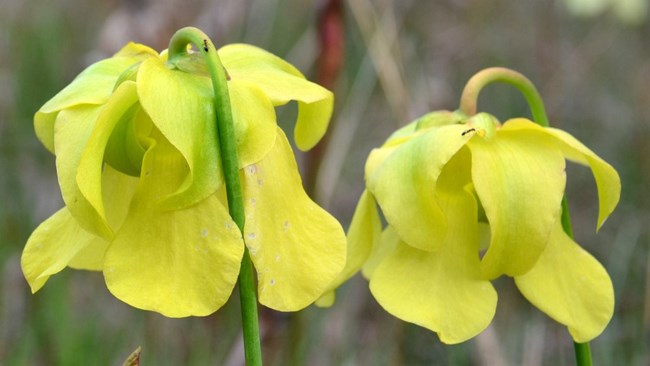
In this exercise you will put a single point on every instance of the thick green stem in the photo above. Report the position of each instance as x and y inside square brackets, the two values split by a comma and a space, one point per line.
[226, 131]
[469, 97]
[468, 103]
[583, 354]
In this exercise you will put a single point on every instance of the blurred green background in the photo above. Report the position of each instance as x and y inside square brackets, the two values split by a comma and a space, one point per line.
[589, 59]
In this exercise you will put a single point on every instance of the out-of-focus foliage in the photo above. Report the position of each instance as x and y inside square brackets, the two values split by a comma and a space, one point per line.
[403, 58]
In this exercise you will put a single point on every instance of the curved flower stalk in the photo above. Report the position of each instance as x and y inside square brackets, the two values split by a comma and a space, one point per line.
[139, 168]
[466, 200]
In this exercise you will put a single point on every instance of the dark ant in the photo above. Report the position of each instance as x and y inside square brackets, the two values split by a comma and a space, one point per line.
[468, 131]
[205, 45]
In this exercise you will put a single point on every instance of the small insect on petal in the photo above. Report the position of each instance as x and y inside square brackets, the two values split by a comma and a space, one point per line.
[205, 45]
[468, 131]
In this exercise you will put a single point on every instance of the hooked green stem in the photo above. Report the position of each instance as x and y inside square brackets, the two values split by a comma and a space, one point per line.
[469, 97]
[226, 135]
[468, 107]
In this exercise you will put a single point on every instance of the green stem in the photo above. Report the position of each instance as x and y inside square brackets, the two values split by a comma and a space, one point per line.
[468, 106]
[582, 350]
[583, 354]
[469, 97]
[226, 131]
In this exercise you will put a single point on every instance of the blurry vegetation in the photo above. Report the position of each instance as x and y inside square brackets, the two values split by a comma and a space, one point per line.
[402, 59]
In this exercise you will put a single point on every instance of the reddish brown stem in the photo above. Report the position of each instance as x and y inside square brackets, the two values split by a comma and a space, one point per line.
[330, 61]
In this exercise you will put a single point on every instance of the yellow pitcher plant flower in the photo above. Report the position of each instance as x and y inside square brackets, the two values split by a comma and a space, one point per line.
[439, 182]
[139, 167]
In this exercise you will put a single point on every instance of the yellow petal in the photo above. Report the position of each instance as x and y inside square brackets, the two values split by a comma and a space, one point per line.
[571, 286]
[88, 170]
[178, 263]
[44, 128]
[441, 290]
[93, 86]
[519, 177]
[126, 146]
[404, 185]
[416, 128]
[376, 158]
[118, 189]
[282, 82]
[313, 119]
[421, 125]
[386, 245]
[73, 129]
[254, 120]
[296, 246]
[363, 235]
[607, 179]
[181, 106]
[51, 247]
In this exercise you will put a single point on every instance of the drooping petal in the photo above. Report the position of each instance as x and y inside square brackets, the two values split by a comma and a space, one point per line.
[297, 248]
[404, 185]
[254, 120]
[441, 290]
[60, 241]
[44, 128]
[282, 83]
[519, 177]
[363, 235]
[313, 119]
[607, 180]
[118, 189]
[51, 247]
[179, 263]
[571, 286]
[88, 172]
[93, 86]
[388, 241]
[73, 129]
[181, 106]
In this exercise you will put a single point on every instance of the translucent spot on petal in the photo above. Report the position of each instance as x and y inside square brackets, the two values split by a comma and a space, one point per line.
[277, 257]
[204, 233]
[286, 225]
[253, 201]
[251, 236]
[272, 282]
[260, 182]
[251, 169]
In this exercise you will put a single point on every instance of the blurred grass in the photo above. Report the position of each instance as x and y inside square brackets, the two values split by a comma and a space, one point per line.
[403, 59]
